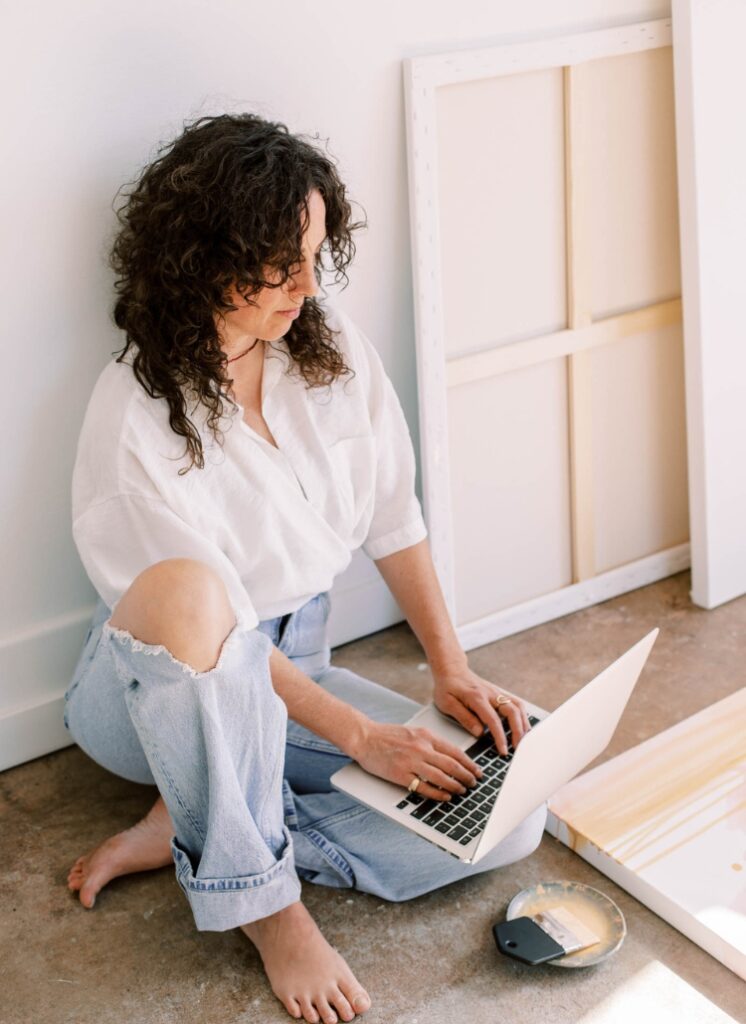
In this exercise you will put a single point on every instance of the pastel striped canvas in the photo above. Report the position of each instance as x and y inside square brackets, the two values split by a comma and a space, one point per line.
[666, 820]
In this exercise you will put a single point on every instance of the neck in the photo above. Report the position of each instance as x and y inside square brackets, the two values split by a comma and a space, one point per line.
[245, 368]
[242, 347]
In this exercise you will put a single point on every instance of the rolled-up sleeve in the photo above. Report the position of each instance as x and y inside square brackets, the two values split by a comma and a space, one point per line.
[121, 536]
[397, 520]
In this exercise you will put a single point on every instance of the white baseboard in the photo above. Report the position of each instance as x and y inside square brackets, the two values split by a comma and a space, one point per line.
[37, 666]
[571, 599]
[33, 731]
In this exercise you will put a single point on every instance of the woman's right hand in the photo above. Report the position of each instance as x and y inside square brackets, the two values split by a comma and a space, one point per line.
[399, 752]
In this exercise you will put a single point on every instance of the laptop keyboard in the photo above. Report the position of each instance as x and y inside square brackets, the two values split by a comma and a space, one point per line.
[464, 816]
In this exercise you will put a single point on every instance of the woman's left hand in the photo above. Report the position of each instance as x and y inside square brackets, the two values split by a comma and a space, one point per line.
[473, 702]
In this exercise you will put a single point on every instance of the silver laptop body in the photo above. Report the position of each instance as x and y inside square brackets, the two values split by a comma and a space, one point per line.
[557, 747]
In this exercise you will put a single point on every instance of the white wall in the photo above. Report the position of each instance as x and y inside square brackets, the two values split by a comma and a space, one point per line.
[90, 88]
[708, 65]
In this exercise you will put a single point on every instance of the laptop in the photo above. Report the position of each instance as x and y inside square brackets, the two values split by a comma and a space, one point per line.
[558, 745]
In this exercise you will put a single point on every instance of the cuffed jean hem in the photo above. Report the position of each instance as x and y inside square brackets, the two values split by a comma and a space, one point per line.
[222, 903]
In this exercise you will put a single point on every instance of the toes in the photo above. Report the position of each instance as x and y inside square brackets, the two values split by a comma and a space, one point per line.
[88, 895]
[291, 1005]
[360, 999]
[309, 1011]
[75, 878]
[328, 1015]
[342, 1005]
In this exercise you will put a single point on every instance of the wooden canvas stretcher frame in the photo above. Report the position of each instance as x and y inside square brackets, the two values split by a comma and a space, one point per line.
[437, 374]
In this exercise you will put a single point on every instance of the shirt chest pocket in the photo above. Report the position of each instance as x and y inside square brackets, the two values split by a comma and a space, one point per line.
[353, 470]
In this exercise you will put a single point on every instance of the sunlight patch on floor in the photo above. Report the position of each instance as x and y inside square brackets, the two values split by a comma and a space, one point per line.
[659, 994]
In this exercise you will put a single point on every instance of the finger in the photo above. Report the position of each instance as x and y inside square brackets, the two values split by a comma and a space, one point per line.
[464, 716]
[514, 717]
[437, 777]
[454, 767]
[491, 719]
[431, 792]
[460, 755]
[521, 705]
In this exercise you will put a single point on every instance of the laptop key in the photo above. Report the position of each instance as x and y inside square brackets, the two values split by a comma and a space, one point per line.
[457, 832]
[403, 805]
[424, 808]
[481, 745]
[434, 817]
[442, 826]
[448, 822]
[465, 840]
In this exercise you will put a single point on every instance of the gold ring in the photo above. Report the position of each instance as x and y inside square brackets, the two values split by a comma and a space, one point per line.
[502, 699]
[414, 784]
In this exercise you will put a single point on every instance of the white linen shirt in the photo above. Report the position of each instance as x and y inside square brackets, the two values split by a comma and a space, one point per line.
[277, 524]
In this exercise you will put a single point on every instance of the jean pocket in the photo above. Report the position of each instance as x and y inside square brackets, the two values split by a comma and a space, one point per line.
[283, 625]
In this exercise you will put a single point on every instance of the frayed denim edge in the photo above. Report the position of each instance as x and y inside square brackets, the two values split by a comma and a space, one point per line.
[123, 636]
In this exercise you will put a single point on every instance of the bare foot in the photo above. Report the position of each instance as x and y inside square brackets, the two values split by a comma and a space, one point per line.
[145, 846]
[307, 975]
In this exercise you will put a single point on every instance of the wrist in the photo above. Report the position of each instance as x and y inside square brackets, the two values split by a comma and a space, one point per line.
[446, 663]
[357, 735]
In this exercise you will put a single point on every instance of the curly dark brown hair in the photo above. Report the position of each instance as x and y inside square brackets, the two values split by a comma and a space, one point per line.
[223, 204]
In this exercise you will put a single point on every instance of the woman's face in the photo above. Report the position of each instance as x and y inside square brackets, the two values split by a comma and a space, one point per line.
[276, 308]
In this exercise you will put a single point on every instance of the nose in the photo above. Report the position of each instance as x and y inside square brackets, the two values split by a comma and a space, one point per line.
[304, 280]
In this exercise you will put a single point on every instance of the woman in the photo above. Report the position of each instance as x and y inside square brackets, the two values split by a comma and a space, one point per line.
[206, 669]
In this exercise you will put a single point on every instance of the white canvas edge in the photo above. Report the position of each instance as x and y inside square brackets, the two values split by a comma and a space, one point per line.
[666, 908]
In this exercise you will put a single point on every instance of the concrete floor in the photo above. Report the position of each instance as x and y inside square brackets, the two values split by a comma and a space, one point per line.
[137, 956]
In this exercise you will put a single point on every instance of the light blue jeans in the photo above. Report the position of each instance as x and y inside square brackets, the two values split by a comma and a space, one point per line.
[246, 787]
